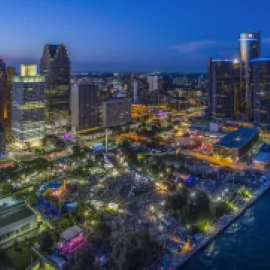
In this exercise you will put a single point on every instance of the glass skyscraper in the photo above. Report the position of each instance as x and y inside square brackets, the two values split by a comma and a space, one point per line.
[226, 87]
[28, 107]
[249, 46]
[249, 49]
[55, 66]
[260, 90]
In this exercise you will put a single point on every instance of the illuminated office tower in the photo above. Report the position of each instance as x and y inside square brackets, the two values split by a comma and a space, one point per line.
[225, 88]
[11, 72]
[2, 90]
[55, 66]
[250, 48]
[260, 90]
[28, 107]
[84, 105]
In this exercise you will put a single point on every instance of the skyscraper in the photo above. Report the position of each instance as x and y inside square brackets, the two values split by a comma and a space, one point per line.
[28, 107]
[260, 90]
[2, 91]
[84, 105]
[224, 88]
[250, 48]
[11, 72]
[55, 66]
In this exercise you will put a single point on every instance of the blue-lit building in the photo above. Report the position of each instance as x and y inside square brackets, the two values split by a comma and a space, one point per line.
[236, 144]
[260, 90]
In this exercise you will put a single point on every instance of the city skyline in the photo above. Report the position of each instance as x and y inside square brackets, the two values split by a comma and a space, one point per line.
[120, 36]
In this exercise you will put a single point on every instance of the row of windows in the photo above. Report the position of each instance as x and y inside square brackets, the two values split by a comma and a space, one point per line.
[14, 232]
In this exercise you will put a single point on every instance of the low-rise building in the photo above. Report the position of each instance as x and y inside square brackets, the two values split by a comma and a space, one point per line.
[236, 144]
[262, 159]
[72, 240]
[17, 221]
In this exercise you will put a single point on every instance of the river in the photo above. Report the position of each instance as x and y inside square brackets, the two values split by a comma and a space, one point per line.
[245, 245]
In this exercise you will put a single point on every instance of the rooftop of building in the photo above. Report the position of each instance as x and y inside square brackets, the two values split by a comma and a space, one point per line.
[256, 60]
[70, 233]
[15, 215]
[7, 201]
[239, 138]
[52, 49]
[265, 148]
[262, 157]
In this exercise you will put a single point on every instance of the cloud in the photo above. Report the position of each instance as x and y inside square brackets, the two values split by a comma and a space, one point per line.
[195, 46]
[266, 41]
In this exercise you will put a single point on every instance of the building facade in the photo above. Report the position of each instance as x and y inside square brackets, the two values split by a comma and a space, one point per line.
[260, 90]
[17, 221]
[116, 111]
[2, 141]
[250, 48]
[28, 107]
[221, 88]
[2, 91]
[249, 44]
[84, 105]
[154, 82]
[55, 66]
[11, 72]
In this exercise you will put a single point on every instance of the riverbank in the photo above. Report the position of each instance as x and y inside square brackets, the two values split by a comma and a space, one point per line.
[258, 194]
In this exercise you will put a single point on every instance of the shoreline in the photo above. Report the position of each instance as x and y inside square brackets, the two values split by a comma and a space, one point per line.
[208, 240]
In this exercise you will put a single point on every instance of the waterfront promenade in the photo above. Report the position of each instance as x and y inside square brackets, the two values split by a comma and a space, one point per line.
[178, 260]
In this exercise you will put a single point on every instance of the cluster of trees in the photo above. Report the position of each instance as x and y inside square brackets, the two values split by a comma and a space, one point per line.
[129, 153]
[25, 168]
[135, 251]
[191, 207]
[47, 241]
[82, 260]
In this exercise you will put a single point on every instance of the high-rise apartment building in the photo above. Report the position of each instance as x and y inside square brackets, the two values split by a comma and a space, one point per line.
[260, 90]
[225, 88]
[28, 107]
[11, 72]
[55, 66]
[153, 81]
[84, 105]
[136, 85]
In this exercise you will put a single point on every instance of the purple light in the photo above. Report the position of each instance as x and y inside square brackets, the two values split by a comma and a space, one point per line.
[68, 136]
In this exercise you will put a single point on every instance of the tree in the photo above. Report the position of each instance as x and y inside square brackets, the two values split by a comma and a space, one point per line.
[63, 223]
[221, 209]
[82, 260]
[7, 189]
[32, 199]
[102, 230]
[133, 252]
[47, 240]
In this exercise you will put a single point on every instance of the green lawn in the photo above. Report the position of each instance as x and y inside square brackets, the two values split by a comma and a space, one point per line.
[20, 258]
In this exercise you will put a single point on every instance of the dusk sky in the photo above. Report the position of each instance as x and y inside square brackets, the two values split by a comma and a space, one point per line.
[129, 35]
